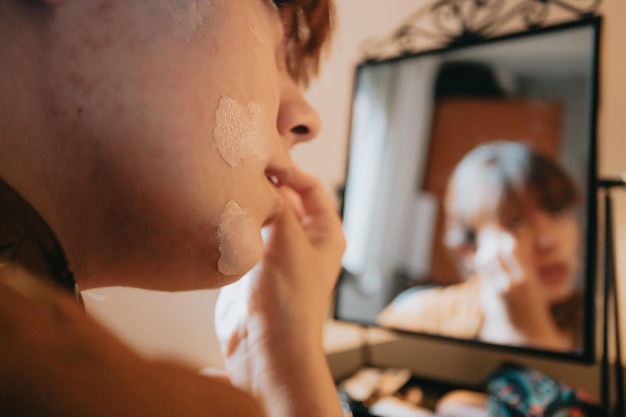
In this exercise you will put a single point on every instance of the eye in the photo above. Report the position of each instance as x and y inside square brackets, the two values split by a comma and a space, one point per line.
[512, 216]
[513, 224]
[557, 214]
[280, 5]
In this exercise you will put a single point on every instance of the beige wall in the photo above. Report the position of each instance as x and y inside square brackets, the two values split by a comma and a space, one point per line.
[612, 128]
[148, 320]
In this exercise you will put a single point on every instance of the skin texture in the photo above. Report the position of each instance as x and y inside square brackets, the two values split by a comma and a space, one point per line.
[239, 131]
[107, 114]
[117, 156]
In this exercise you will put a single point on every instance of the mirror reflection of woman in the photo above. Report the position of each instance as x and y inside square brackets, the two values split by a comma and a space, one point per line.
[510, 224]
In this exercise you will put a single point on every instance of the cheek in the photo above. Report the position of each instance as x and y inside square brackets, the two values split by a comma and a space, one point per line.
[150, 144]
[241, 131]
[569, 251]
[570, 239]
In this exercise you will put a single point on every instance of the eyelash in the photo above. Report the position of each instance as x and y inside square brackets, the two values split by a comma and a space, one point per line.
[280, 3]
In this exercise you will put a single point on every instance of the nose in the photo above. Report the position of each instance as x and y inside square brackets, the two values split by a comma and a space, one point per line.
[543, 232]
[297, 121]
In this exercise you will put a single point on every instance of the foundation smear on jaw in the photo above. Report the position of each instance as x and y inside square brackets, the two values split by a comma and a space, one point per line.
[240, 243]
[239, 131]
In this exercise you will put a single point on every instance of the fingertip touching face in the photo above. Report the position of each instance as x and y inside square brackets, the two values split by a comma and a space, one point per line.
[171, 123]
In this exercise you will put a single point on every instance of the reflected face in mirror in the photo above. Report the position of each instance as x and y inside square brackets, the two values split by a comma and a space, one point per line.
[519, 221]
[549, 242]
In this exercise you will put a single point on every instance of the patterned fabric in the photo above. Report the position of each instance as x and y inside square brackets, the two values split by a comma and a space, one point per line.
[516, 391]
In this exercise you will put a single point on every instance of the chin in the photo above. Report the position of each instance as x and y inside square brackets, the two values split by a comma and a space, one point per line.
[209, 280]
[159, 276]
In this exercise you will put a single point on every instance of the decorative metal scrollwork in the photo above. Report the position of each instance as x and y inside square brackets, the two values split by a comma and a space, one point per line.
[452, 22]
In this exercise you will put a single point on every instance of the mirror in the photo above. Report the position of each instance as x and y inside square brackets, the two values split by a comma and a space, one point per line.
[469, 205]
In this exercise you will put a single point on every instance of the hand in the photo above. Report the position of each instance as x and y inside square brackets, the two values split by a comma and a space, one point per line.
[270, 322]
[515, 306]
[504, 263]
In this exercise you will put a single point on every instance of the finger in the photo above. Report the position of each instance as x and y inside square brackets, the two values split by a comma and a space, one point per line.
[323, 223]
[510, 267]
[508, 257]
[315, 200]
[489, 267]
[500, 277]
[517, 257]
[287, 227]
[295, 201]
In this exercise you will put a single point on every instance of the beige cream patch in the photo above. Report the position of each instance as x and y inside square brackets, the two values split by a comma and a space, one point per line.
[190, 15]
[240, 243]
[186, 16]
[239, 131]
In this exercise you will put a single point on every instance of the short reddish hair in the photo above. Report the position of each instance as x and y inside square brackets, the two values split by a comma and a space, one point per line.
[308, 29]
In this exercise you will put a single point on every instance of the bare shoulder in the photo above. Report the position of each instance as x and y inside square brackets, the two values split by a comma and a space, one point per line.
[407, 309]
[56, 361]
[452, 310]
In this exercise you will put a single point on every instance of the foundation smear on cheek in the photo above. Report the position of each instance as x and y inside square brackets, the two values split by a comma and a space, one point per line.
[240, 243]
[239, 131]
[186, 16]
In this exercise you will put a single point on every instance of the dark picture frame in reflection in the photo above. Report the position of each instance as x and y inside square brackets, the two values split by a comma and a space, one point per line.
[470, 199]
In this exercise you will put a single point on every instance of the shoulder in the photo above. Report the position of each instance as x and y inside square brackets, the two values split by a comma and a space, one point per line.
[410, 308]
[56, 361]
[453, 310]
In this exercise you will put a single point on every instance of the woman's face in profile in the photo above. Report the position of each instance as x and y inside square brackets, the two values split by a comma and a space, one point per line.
[172, 122]
[542, 243]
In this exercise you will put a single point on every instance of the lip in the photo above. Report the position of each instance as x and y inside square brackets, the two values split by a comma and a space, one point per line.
[278, 177]
[553, 273]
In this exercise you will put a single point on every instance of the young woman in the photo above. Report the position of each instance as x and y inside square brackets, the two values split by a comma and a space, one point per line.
[145, 143]
[511, 226]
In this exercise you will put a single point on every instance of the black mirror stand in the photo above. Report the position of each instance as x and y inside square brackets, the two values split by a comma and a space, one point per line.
[610, 302]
